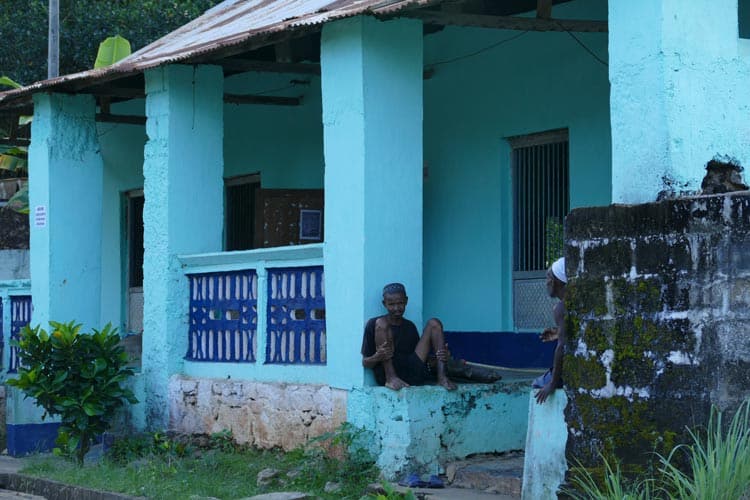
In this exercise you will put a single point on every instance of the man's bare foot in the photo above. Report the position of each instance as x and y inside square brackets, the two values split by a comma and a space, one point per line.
[446, 382]
[395, 383]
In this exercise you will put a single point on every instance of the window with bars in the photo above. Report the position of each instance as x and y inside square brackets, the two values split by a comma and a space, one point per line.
[239, 214]
[541, 199]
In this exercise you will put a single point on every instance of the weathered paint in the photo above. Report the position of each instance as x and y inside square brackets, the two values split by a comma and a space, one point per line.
[544, 463]
[65, 180]
[183, 211]
[537, 82]
[676, 66]
[419, 429]
[372, 118]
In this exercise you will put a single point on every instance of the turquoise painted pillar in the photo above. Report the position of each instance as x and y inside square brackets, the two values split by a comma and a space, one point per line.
[183, 190]
[65, 198]
[679, 94]
[372, 118]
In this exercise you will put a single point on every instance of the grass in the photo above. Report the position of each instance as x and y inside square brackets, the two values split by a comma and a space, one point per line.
[158, 467]
[718, 467]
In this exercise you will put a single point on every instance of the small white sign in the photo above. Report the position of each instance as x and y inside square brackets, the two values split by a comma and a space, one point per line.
[40, 216]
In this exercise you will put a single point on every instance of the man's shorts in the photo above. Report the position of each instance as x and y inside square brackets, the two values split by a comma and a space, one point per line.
[413, 370]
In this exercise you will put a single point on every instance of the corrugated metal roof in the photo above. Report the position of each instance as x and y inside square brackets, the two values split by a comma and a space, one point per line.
[231, 23]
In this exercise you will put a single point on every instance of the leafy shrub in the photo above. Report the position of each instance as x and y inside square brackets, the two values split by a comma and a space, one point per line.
[76, 376]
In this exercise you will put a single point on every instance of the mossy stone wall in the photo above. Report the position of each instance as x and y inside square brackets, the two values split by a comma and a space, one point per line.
[659, 322]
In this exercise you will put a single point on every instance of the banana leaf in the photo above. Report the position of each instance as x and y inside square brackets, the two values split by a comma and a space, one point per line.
[13, 163]
[111, 50]
[19, 202]
[4, 80]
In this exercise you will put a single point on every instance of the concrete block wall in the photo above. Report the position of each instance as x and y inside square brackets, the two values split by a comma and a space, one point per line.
[658, 309]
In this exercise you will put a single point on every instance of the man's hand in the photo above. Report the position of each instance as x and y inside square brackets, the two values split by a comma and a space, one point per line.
[443, 354]
[548, 335]
[544, 393]
[384, 352]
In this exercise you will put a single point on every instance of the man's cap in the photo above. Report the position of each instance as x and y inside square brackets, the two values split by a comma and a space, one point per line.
[558, 269]
[394, 288]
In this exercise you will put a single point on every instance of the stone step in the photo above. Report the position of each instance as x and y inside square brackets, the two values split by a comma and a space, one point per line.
[498, 474]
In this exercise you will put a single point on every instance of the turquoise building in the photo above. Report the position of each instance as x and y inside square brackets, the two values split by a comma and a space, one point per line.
[235, 195]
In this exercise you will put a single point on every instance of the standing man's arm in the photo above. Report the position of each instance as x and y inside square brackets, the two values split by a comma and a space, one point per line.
[557, 361]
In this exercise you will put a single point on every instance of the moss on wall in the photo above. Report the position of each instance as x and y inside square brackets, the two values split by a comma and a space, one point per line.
[651, 347]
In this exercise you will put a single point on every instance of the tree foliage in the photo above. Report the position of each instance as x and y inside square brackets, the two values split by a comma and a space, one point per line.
[83, 24]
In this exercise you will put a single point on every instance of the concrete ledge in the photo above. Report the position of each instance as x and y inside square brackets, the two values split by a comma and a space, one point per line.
[419, 429]
[54, 490]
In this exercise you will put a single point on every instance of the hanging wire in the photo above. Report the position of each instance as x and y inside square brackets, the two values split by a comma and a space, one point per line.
[510, 39]
[477, 52]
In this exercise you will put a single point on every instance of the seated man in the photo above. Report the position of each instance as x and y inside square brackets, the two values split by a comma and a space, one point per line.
[393, 349]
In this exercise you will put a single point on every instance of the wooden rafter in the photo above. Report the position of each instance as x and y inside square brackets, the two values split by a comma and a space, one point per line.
[544, 9]
[241, 66]
[262, 99]
[509, 22]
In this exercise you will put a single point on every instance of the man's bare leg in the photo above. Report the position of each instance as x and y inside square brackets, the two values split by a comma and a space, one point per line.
[383, 335]
[434, 338]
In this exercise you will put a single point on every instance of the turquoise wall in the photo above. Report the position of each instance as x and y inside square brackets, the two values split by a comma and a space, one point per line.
[682, 68]
[122, 152]
[283, 143]
[537, 82]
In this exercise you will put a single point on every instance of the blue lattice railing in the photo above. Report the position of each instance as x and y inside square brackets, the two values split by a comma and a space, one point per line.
[296, 316]
[20, 316]
[223, 316]
[2, 332]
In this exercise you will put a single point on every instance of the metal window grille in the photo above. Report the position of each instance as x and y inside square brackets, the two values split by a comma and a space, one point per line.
[541, 199]
[20, 316]
[223, 317]
[239, 216]
[296, 316]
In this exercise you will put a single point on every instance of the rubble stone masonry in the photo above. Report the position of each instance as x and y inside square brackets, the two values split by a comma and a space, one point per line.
[658, 308]
[263, 414]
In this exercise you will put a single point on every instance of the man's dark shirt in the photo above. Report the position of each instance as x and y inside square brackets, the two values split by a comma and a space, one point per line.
[405, 339]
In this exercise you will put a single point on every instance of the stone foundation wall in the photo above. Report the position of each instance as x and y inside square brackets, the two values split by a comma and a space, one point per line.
[658, 308]
[265, 415]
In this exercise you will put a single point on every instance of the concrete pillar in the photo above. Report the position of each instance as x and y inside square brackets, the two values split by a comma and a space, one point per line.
[372, 118]
[65, 198]
[544, 464]
[183, 189]
[679, 94]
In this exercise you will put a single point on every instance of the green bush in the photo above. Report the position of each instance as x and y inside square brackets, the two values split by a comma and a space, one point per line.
[76, 376]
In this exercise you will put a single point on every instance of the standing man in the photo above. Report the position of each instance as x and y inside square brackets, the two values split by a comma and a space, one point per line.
[556, 285]
[393, 349]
